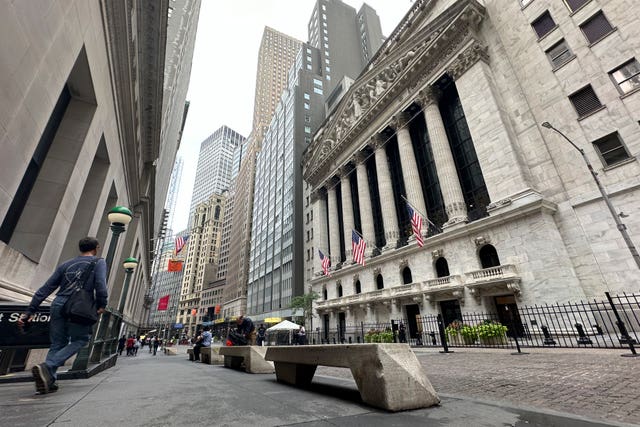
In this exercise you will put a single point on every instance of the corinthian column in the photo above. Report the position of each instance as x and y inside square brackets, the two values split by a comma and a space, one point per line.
[412, 186]
[348, 222]
[334, 225]
[364, 201]
[389, 216]
[445, 166]
[319, 203]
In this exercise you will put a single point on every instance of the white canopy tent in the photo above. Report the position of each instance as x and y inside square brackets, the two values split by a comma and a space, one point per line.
[285, 325]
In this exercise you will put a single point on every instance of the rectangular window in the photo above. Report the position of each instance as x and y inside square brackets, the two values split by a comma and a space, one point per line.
[585, 101]
[574, 5]
[317, 82]
[307, 129]
[627, 76]
[328, 77]
[307, 96]
[306, 106]
[596, 27]
[309, 67]
[318, 90]
[559, 54]
[523, 3]
[307, 119]
[611, 149]
[544, 24]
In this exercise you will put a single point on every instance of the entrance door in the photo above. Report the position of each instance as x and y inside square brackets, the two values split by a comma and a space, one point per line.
[413, 310]
[450, 311]
[325, 325]
[342, 326]
[509, 315]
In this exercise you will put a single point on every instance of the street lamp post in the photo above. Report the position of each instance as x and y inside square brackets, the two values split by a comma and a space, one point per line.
[621, 227]
[129, 265]
[119, 217]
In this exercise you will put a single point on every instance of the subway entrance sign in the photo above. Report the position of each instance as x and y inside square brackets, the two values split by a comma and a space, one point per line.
[35, 334]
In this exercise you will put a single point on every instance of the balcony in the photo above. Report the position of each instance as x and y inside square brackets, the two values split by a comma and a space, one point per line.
[502, 278]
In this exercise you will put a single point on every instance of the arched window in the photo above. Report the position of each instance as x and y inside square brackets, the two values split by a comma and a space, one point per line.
[380, 281]
[488, 256]
[442, 267]
[406, 276]
[339, 291]
[358, 287]
[324, 294]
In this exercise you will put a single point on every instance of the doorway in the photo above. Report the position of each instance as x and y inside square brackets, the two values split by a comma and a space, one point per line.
[342, 326]
[325, 321]
[509, 315]
[450, 311]
[412, 310]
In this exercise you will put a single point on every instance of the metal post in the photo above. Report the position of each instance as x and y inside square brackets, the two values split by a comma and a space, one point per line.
[125, 289]
[116, 230]
[621, 227]
[624, 335]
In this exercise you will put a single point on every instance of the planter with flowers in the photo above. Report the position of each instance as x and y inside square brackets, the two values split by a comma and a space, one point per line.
[491, 333]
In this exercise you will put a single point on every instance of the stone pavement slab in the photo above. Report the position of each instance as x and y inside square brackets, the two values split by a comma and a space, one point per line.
[169, 391]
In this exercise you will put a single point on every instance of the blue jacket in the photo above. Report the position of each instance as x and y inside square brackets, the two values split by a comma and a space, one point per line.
[65, 275]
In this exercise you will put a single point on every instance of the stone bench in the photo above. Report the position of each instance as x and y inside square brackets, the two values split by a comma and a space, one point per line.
[171, 351]
[388, 376]
[249, 358]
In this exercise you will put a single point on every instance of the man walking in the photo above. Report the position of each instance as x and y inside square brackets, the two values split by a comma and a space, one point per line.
[67, 338]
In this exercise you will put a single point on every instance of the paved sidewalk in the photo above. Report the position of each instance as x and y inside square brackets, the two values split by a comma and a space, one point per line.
[171, 391]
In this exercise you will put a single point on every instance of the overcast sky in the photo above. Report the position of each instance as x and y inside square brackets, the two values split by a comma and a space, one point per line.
[223, 73]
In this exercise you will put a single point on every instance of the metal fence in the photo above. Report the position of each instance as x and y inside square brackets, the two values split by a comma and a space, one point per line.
[610, 323]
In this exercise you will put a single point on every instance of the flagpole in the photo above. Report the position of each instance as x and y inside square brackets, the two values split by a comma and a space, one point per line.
[362, 237]
[423, 215]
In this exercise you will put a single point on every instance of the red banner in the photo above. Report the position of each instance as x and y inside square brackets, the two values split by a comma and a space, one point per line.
[217, 310]
[174, 265]
[163, 303]
[194, 311]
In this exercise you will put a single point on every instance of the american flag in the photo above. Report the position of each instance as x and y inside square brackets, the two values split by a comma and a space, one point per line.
[358, 245]
[180, 242]
[416, 224]
[326, 263]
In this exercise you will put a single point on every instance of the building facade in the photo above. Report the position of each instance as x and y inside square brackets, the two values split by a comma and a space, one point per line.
[165, 283]
[275, 267]
[203, 249]
[80, 131]
[346, 39]
[275, 57]
[215, 165]
[448, 116]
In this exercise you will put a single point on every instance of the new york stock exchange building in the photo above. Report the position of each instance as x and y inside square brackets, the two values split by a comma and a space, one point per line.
[448, 117]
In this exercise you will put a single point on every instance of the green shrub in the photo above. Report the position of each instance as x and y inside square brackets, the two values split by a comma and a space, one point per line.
[490, 329]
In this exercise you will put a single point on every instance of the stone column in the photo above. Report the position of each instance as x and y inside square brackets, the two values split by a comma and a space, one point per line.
[348, 221]
[445, 166]
[334, 225]
[389, 216]
[412, 186]
[320, 222]
[489, 126]
[364, 201]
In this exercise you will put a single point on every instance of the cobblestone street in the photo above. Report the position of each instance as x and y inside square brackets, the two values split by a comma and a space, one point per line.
[597, 384]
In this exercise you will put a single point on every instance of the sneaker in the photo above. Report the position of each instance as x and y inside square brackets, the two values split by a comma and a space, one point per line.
[53, 388]
[42, 377]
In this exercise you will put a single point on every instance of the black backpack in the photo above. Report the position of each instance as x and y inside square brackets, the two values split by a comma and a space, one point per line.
[80, 308]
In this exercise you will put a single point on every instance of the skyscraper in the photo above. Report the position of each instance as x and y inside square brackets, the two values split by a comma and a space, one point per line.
[215, 165]
[172, 194]
[276, 55]
[346, 39]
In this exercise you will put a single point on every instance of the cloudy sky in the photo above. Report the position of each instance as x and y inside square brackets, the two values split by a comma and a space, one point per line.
[224, 68]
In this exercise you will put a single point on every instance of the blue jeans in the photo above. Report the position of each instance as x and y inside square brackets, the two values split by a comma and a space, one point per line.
[66, 338]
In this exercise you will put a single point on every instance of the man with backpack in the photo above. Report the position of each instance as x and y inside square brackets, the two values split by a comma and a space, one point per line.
[67, 338]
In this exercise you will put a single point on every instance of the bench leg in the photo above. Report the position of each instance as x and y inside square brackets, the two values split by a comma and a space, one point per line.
[295, 374]
[233, 362]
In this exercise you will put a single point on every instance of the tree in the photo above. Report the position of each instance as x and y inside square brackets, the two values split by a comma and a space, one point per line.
[305, 302]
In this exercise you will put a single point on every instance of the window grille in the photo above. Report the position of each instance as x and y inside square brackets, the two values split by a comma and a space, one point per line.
[544, 24]
[585, 101]
[574, 5]
[559, 54]
[596, 27]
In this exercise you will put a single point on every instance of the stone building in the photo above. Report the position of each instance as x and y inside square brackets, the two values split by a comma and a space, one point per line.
[448, 115]
[203, 251]
[80, 121]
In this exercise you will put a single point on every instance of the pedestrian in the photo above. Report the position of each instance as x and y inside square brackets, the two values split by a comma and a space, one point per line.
[247, 329]
[402, 334]
[136, 346]
[142, 341]
[204, 340]
[302, 335]
[262, 331]
[68, 338]
[150, 344]
[121, 343]
[156, 344]
[130, 343]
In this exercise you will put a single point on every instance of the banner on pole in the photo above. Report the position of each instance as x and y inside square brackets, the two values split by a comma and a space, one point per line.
[163, 303]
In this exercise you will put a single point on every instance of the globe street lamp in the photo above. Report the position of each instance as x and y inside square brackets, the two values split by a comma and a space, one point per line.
[119, 217]
[621, 227]
[129, 265]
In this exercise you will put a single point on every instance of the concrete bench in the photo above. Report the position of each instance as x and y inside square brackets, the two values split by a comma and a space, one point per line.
[249, 358]
[208, 355]
[171, 351]
[389, 376]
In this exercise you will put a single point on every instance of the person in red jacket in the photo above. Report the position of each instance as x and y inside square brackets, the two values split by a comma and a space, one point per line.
[130, 343]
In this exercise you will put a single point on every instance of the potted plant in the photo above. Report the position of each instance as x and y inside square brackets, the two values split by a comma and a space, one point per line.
[492, 333]
[452, 332]
[468, 334]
